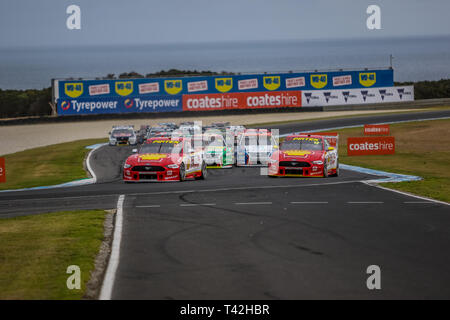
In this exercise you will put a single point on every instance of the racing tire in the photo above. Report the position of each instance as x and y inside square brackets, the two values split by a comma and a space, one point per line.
[337, 171]
[182, 172]
[204, 172]
[325, 171]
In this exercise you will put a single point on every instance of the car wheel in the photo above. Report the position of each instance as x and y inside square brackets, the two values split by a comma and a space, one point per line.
[182, 172]
[325, 171]
[337, 171]
[204, 172]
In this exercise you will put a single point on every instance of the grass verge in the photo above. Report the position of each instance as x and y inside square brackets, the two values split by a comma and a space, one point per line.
[48, 165]
[422, 149]
[36, 250]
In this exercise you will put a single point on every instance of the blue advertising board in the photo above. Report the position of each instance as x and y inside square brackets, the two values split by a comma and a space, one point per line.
[103, 105]
[115, 96]
[219, 84]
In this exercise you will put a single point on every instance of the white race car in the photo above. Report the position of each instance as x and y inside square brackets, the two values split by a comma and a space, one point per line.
[122, 135]
[255, 147]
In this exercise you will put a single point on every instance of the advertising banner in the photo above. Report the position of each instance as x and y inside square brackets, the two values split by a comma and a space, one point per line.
[359, 146]
[2, 170]
[376, 129]
[117, 88]
[242, 100]
[79, 106]
[356, 96]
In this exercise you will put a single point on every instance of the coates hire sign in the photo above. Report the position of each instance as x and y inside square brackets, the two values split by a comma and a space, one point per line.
[116, 96]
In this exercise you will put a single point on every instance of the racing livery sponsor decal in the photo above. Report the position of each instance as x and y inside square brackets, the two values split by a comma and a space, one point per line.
[376, 129]
[271, 82]
[73, 89]
[98, 89]
[153, 156]
[124, 88]
[151, 87]
[276, 99]
[313, 140]
[367, 79]
[342, 81]
[358, 146]
[2, 170]
[296, 153]
[197, 86]
[319, 81]
[224, 84]
[248, 84]
[173, 86]
[295, 82]
[166, 141]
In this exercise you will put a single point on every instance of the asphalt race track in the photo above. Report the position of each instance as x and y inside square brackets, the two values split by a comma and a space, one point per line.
[242, 235]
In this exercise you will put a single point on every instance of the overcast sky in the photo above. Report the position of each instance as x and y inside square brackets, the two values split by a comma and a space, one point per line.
[43, 22]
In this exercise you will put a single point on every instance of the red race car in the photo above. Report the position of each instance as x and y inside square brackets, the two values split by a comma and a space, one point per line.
[165, 159]
[306, 155]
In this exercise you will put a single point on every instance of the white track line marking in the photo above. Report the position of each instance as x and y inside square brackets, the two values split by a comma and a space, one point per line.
[196, 204]
[417, 202]
[251, 203]
[408, 194]
[88, 163]
[308, 202]
[113, 263]
[365, 202]
[150, 206]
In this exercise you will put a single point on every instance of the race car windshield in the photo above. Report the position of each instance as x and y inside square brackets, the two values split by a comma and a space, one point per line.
[164, 147]
[313, 144]
[214, 141]
[122, 133]
[157, 129]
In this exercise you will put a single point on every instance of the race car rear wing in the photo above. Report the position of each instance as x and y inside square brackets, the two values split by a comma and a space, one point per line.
[331, 137]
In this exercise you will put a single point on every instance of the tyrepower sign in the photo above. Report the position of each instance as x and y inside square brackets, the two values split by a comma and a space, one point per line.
[241, 100]
[361, 146]
[2, 170]
[376, 129]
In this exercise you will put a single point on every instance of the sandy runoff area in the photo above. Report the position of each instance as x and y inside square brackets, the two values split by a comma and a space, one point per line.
[21, 137]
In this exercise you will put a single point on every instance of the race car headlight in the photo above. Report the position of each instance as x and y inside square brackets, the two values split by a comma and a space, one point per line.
[273, 160]
[318, 162]
[172, 166]
[126, 165]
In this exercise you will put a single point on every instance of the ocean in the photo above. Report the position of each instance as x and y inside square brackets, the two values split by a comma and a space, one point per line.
[415, 59]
